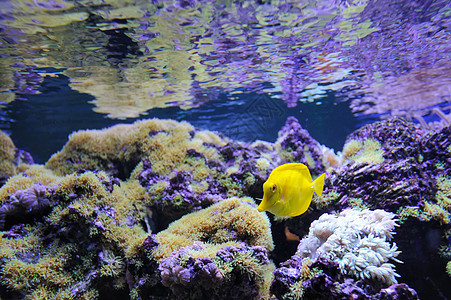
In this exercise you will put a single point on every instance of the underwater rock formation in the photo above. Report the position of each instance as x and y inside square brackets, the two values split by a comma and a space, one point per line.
[295, 144]
[10, 158]
[388, 165]
[220, 252]
[162, 210]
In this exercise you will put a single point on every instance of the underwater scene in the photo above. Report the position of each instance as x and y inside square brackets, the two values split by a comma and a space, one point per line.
[220, 149]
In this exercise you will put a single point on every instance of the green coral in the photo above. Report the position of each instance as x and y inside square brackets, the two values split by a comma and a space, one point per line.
[91, 214]
[441, 209]
[7, 154]
[369, 151]
[357, 203]
[323, 201]
[120, 148]
[32, 267]
[406, 212]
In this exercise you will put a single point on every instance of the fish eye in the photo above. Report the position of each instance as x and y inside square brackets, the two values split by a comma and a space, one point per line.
[274, 187]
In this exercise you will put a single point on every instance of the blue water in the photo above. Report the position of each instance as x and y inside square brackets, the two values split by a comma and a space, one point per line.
[41, 123]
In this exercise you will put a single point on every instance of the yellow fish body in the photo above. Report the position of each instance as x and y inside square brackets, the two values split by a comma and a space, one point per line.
[289, 190]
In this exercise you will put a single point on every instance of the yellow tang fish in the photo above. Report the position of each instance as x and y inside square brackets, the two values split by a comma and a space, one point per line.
[289, 190]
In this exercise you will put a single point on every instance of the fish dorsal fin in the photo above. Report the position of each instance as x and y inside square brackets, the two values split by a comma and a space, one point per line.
[301, 168]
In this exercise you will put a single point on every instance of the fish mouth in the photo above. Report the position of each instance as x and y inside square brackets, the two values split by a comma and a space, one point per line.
[264, 205]
[259, 207]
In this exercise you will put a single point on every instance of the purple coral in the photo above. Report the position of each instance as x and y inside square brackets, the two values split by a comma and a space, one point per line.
[402, 179]
[296, 140]
[192, 277]
[26, 203]
[388, 185]
[187, 275]
[22, 157]
[324, 281]
[397, 291]
[399, 137]
[436, 151]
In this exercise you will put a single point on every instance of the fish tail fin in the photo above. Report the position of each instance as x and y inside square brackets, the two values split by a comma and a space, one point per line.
[318, 184]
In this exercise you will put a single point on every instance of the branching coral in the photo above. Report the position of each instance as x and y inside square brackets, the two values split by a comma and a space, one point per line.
[359, 241]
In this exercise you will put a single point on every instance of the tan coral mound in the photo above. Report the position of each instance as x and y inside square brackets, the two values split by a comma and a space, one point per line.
[118, 149]
[229, 220]
[7, 153]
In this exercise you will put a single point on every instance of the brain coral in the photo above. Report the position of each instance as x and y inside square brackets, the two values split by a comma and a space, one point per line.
[359, 241]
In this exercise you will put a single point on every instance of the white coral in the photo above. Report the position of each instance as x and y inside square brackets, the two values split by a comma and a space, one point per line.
[359, 241]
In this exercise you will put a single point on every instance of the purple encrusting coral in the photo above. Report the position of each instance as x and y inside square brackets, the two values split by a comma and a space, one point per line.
[387, 185]
[303, 148]
[436, 152]
[399, 138]
[32, 202]
[223, 276]
[405, 177]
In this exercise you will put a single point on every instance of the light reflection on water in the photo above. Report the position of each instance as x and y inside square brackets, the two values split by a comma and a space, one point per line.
[247, 117]
[381, 57]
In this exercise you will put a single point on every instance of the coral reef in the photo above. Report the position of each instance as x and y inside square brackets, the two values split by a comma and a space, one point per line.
[232, 219]
[162, 210]
[295, 144]
[87, 227]
[220, 252]
[184, 169]
[385, 167]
